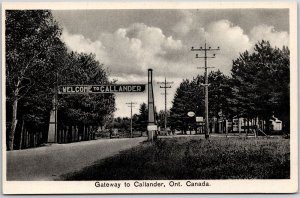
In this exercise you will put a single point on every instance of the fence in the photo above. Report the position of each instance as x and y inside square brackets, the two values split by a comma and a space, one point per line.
[68, 134]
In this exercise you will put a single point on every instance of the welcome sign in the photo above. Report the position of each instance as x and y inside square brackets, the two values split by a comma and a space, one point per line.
[85, 89]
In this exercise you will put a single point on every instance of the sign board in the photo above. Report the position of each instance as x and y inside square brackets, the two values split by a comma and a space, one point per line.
[152, 127]
[199, 119]
[85, 89]
[191, 114]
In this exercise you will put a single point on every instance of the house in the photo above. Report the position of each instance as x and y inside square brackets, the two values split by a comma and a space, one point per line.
[275, 124]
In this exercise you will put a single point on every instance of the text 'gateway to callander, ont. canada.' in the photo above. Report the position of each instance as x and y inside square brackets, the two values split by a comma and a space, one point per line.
[77, 89]
[151, 184]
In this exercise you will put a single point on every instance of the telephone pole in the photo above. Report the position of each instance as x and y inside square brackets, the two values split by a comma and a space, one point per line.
[131, 105]
[166, 85]
[205, 49]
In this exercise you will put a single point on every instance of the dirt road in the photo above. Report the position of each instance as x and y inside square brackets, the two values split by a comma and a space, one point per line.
[49, 162]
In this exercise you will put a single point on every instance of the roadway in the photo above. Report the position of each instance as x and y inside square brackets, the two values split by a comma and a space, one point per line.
[51, 161]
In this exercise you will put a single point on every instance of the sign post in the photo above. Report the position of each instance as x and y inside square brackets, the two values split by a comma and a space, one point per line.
[152, 127]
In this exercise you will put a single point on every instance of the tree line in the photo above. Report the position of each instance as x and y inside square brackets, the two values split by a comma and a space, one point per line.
[139, 121]
[37, 61]
[257, 87]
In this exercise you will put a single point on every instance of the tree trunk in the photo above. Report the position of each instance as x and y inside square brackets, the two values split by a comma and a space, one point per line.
[26, 138]
[239, 126]
[58, 135]
[21, 136]
[14, 122]
[84, 133]
[256, 126]
[34, 139]
[247, 131]
[267, 126]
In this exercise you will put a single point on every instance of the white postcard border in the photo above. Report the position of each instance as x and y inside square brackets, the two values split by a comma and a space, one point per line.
[216, 186]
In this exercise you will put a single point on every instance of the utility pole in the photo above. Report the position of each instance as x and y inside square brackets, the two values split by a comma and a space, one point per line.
[165, 83]
[205, 49]
[131, 105]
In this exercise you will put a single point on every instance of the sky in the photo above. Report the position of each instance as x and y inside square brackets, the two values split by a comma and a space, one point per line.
[129, 42]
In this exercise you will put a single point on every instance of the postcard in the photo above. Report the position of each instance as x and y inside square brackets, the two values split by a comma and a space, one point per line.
[149, 97]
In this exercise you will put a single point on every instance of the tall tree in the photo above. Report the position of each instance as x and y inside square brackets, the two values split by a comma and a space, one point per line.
[219, 92]
[189, 96]
[261, 82]
[33, 50]
[142, 120]
[94, 109]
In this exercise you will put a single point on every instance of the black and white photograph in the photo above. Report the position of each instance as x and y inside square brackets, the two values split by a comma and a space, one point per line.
[149, 98]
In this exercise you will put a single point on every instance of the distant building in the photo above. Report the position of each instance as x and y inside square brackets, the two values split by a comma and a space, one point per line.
[275, 124]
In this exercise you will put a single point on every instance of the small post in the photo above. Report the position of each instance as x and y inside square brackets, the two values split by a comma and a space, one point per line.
[165, 83]
[131, 105]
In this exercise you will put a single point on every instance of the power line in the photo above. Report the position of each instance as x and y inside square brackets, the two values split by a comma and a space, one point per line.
[205, 49]
[131, 105]
[166, 85]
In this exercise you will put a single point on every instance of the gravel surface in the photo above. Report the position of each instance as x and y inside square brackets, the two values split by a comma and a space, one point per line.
[49, 162]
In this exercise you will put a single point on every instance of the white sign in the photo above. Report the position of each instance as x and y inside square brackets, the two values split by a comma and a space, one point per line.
[199, 119]
[191, 114]
[83, 89]
[152, 127]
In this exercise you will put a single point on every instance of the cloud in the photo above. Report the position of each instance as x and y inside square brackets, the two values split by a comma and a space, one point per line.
[185, 25]
[79, 43]
[265, 32]
[229, 37]
[129, 51]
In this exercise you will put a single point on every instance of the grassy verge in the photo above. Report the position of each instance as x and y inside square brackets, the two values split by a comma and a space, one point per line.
[195, 158]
